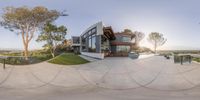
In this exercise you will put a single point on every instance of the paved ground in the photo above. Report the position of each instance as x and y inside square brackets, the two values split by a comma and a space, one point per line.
[153, 78]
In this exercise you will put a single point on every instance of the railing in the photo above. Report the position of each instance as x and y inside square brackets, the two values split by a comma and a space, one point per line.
[21, 60]
[4, 61]
[181, 58]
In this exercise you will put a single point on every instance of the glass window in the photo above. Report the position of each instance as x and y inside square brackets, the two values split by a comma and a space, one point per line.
[94, 30]
[90, 36]
[83, 41]
[83, 48]
[90, 42]
[76, 40]
[123, 48]
[90, 32]
[126, 39]
[84, 36]
[93, 42]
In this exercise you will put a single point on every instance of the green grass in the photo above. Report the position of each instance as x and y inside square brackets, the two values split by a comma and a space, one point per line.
[196, 59]
[68, 59]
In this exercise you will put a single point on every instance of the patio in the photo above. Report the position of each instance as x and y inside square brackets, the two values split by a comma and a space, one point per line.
[118, 78]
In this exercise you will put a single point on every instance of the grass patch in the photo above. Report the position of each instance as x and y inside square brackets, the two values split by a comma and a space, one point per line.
[196, 59]
[68, 59]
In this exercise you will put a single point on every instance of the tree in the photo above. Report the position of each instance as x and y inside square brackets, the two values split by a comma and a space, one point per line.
[138, 37]
[156, 39]
[26, 21]
[52, 35]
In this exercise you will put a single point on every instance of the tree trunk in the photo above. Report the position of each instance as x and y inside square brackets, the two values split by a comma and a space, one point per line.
[54, 49]
[155, 48]
[26, 51]
[27, 36]
[53, 55]
[25, 42]
[52, 52]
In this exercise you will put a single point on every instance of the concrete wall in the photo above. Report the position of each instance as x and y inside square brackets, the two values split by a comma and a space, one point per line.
[99, 27]
[94, 55]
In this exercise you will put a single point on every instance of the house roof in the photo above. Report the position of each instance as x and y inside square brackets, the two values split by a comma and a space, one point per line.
[108, 32]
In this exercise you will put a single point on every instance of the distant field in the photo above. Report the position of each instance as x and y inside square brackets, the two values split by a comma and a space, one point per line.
[16, 57]
[180, 51]
[3, 52]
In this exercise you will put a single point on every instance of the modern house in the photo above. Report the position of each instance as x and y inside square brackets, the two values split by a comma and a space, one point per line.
[99, 41]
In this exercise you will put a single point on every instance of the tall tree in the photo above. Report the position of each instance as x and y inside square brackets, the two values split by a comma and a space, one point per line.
[156, 39]
[138, 37]
[26, 21]
[52, 35]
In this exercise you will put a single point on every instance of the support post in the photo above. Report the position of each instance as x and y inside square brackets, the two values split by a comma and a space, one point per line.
[181, 60]
[4, 63]
[190, 59]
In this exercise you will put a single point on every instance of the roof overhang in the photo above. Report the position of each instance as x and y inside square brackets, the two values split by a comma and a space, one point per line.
[108, 32]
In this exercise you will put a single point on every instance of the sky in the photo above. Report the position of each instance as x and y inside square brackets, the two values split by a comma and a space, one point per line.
[178, 20]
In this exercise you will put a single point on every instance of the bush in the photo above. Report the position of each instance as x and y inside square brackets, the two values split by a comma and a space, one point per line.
[35, 57]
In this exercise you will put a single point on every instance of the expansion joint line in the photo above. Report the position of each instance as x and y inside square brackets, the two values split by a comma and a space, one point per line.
[95, 84]
[46, 83]
[103, 76]
[190, 82]
[145, 85]
[7, 76]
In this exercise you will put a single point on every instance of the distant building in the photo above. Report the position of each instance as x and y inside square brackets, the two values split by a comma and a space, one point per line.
[99, 41]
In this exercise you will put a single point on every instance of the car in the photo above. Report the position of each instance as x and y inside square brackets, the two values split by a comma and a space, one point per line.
[133, 55]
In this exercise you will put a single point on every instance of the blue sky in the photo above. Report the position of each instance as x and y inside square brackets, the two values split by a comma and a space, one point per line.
[178, 20]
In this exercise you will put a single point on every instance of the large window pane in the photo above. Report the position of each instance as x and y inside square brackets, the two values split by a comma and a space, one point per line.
[126, 39]
[90, 36]
[94, 42]
[123, 48]
[94, 30]
[90, 42]
[83, 41]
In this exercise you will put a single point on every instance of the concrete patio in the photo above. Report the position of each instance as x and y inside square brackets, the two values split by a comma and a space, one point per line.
[118, 78]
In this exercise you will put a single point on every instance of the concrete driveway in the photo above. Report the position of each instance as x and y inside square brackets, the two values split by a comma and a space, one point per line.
[118, 78]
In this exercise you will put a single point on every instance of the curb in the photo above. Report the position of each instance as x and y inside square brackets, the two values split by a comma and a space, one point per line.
[196, 62]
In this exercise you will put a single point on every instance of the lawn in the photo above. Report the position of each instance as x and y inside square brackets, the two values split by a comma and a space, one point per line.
[196, 59]
[68, 59]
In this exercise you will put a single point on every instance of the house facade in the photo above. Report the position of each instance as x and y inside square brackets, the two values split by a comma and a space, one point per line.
[99, 41]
